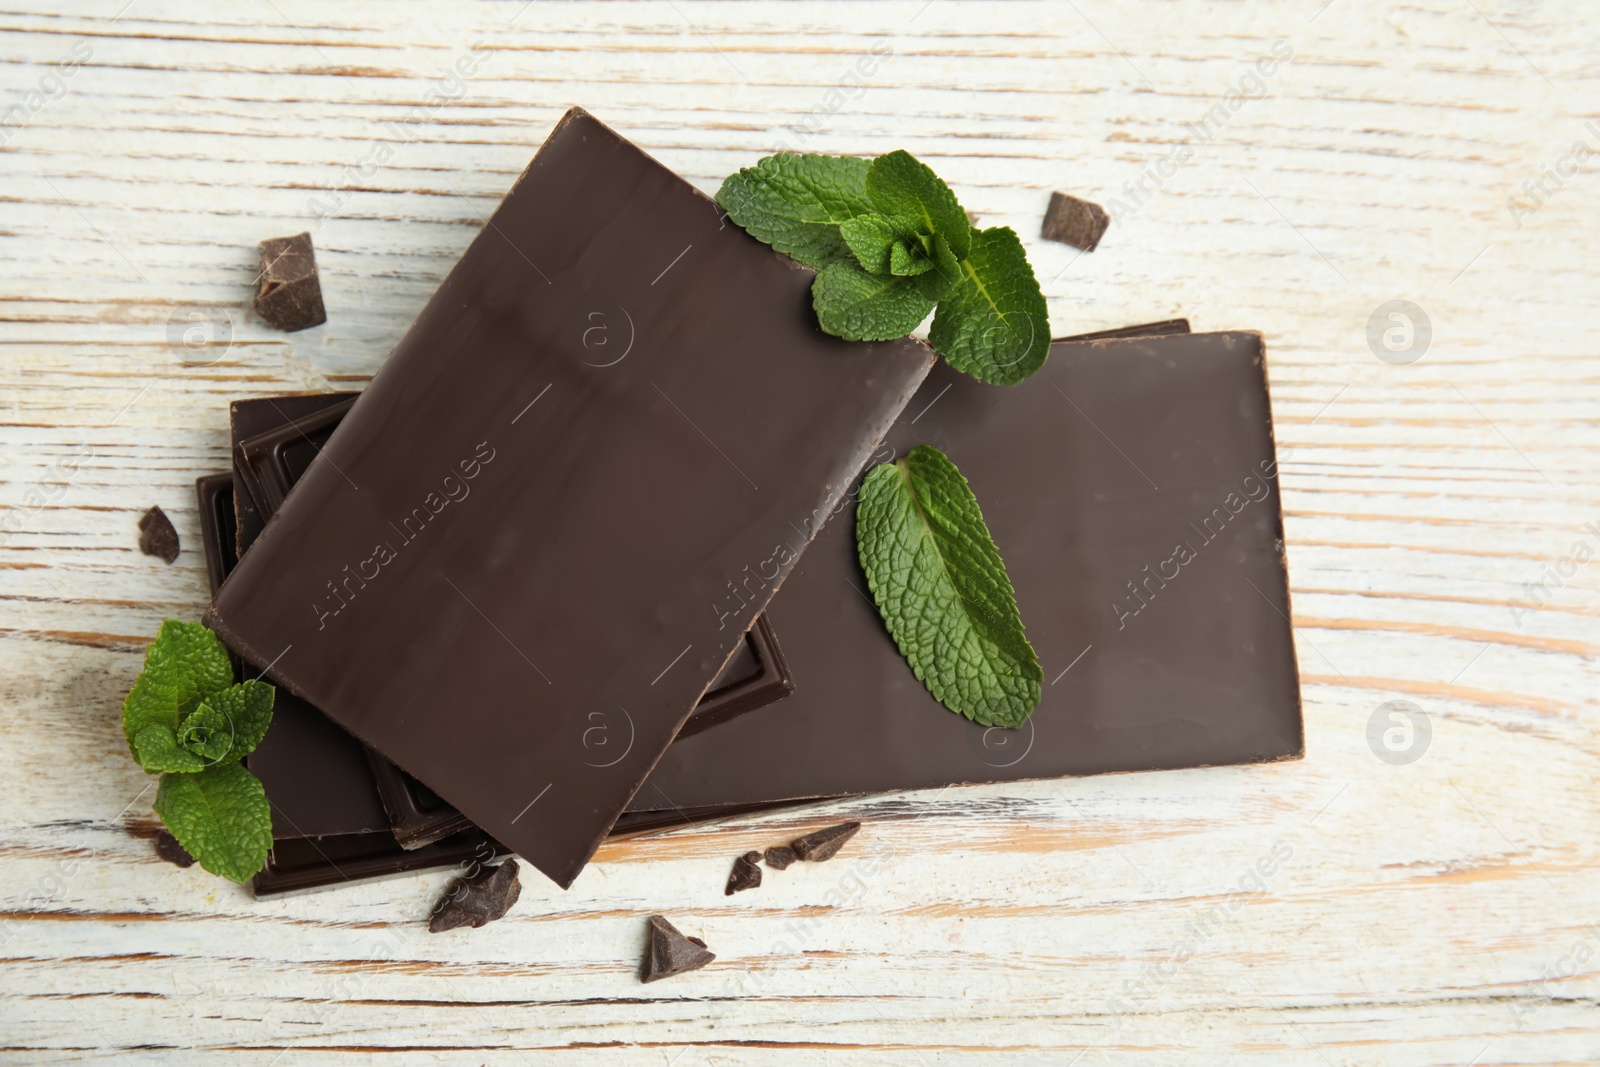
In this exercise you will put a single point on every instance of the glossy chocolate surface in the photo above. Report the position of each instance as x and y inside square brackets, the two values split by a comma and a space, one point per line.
[518, 501]
[1131, 488]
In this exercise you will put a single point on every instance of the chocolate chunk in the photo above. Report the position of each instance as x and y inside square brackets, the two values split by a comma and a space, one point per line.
[156, 535]
[1075, 222]
[288, 295]
[824, 844]
[478, 497]
[780, 856]
[167, 848]
[668, 952]
[745, 875]
[477, 899]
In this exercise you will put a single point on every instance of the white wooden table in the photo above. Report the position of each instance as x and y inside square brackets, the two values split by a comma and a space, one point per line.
[1438, 911]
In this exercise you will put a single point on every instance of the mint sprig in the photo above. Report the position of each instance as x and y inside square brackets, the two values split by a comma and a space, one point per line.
[942, 589]
[796, 203]
[186, 720]
[890, 242]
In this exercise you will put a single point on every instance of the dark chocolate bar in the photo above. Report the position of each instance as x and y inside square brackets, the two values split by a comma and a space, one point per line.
[274, 459]
[513, 529]
[1131, 488]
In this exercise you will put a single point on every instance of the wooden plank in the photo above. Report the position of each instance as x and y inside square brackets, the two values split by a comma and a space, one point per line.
[1441, 911]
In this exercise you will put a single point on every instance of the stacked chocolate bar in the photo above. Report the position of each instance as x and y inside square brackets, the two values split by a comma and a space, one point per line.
[524, 591]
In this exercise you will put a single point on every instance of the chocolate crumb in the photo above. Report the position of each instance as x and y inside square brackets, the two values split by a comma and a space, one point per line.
[824, 844]
[156, 535]
[477, 899]
[667, 952]
[780, 856]
[288, 294]
[745, 875]
[1075, 222]
[167, 848]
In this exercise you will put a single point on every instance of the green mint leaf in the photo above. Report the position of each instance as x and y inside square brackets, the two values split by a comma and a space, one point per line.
[184, 664]
[935, 283]
[901, 185]
[858, 306]
[221, 818]
[873, 237]
[205, 734]
[156, 749]
[942, 589]
[796, 203]
[247, 709]
[993, 324]
[908, 261]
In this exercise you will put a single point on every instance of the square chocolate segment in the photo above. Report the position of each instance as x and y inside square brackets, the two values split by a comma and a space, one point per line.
[272, 461]
[288, 294]
[1131, 486]
[250, 418]
[516, 527]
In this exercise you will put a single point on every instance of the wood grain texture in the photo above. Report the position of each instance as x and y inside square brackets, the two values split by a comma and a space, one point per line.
[1441, 912]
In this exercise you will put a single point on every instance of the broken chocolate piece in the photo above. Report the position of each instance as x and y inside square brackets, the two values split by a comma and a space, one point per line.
[824, 844]
[477, 899]
[167, 848]
[156, 535]
[1075, 222]
[745, 875]
[669, 953]
[288, 295]
[780, 856]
